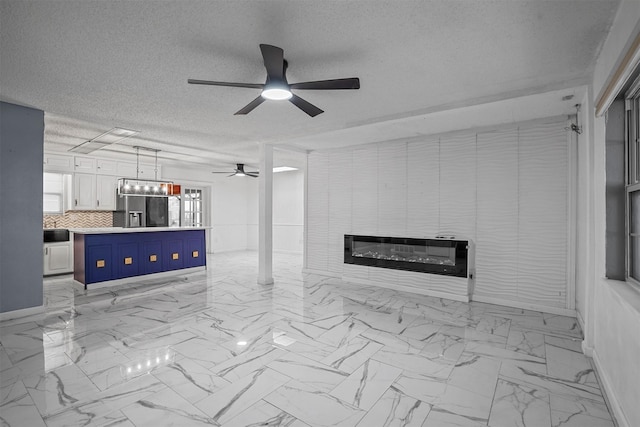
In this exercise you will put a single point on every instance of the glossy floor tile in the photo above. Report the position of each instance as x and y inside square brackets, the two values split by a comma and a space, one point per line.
[215, 348]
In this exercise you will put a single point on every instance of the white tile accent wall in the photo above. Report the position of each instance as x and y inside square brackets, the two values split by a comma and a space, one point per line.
[318, 211]
[392, 190]
[423, 188]
[543, 208]
[458, 185]
[507, 190]
[497, 209]
[339, 206]
[364, 178]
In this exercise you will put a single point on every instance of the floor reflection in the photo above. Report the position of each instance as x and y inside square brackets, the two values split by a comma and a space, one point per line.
[216, 348]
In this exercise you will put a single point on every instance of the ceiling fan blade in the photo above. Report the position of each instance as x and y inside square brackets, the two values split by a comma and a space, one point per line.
[273, 61]
[305, 106]
[348, 83]
[220, 172]
[212, 83]
[250, 106]
[251, 175]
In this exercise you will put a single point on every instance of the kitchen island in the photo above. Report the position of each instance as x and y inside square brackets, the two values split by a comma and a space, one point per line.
[115, 253]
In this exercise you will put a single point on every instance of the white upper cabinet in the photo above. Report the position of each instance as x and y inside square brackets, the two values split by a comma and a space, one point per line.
[126, 170]
[57, 163]
[106, 192]
[94, 192]
[147, 171]
[106, 167]
[84, 164]
[144, 171]
[84, 191]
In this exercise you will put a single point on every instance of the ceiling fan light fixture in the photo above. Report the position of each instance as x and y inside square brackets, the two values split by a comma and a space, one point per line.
[276, 93]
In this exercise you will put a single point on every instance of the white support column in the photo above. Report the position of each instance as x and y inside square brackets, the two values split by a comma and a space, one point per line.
[265, 216]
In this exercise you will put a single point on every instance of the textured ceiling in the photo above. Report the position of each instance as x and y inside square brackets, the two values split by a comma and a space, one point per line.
[93, 65]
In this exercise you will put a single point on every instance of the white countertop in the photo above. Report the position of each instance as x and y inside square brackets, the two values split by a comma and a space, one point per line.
[114, 230]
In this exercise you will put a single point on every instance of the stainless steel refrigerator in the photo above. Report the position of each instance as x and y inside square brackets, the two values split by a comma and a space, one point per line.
[141, 211]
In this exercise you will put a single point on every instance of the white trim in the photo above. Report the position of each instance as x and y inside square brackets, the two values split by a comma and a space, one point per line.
[305, 213]
[533, 307]
[321, 273]
[572, 187]
[586, 349]
[138, 279]
[24, 312]
[403, 288]
[580, 320]
[282, 251]
[621, 74]
[627, 293]
[221, 251]
[610, 396]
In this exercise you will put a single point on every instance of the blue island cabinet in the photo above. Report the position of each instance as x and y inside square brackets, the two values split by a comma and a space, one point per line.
[152, 257]
[109, 256]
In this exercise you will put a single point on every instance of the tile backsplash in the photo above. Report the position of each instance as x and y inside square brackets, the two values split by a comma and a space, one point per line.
[79, 219]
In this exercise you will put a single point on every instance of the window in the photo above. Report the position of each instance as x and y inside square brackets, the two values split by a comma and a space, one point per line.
[192, 207]
[53, 193]
[632, 187]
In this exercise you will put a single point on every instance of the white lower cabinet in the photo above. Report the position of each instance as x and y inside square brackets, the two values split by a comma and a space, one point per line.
[58, 258]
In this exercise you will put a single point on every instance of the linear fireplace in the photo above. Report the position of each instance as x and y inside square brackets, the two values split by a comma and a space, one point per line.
[445, 256]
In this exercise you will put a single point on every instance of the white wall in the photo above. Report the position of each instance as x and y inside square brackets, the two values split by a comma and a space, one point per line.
[610, 310]
[233, 206]
[230, 213]
[288, 213]
[506, 189]
[226, 200]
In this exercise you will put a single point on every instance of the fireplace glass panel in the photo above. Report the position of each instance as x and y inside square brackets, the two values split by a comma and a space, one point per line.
[407, 253]
[437, 256]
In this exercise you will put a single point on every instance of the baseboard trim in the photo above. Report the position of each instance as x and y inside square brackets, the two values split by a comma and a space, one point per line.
[580, 320]
[136, 279]
[411, 289]
[286, 252]
[610, 396]
[526, 306]
[24, 312]
[320, 273]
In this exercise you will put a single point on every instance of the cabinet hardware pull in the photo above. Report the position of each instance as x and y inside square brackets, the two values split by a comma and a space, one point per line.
[46, 251]
[76, 202]
[97, 202]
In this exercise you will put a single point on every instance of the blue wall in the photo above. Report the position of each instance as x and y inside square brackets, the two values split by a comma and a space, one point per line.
[21, 152]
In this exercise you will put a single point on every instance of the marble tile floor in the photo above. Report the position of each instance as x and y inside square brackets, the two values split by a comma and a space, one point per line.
[215, 348]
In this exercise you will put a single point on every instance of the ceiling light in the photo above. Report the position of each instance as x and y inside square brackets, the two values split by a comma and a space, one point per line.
[284, 169]
[114, 135]
[239, 174]
[134, 187]
[276, 93]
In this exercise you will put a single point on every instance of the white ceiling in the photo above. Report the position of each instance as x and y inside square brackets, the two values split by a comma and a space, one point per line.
[94, 65]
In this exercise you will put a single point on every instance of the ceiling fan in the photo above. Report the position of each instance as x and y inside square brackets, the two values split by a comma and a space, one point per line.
[239, 171]
[277, 88]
